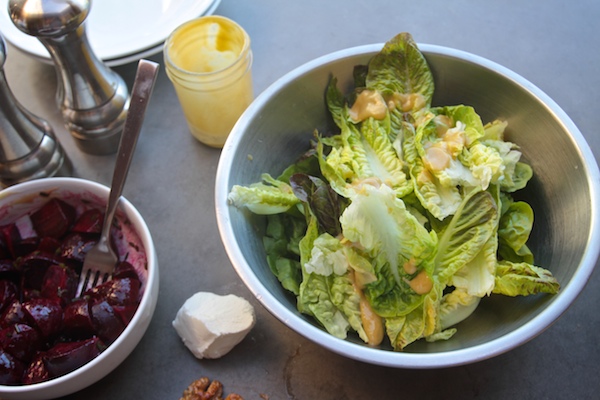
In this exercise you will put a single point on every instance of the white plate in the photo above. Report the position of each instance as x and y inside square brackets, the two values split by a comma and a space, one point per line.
[119, 31]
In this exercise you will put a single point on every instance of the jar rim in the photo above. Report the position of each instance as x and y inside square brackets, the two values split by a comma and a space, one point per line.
[245, 52]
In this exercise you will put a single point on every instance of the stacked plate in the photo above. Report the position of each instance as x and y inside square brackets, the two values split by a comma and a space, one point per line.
[119, 31]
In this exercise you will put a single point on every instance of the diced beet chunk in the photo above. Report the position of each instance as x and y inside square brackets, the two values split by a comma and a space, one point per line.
[36, 372]
[89, 222]
[78, 319]
[8, 292]
[120, 291]
[26, 246]
[45, 314]
[124, 269]
[11, 369]
[21, 341]
[107, 323]
[126, 313]
[66, 357]
[35, 266]
[48, 244]
[13, 314]
[60, 283]
[76, 245]
[54, 218]
[19, 239]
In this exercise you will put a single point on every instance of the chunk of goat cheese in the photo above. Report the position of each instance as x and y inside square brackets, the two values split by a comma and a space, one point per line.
[210, 325]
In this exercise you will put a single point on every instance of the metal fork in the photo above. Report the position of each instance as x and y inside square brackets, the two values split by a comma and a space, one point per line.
[100, 261]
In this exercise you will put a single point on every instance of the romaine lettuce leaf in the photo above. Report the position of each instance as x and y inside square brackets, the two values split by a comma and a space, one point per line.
[314, 296]
[401, 68]
[400, 247]
[523, 279]
[270, 196]
[327, 257]
[477, 277]
[439, 200]
[362, 151]
[467, 233]
[468, 117]
[281, 242]
[494, 130]
[515, 227]
[345, 297]
[421, 322]
[521, 175]
[455, 307]
[485, 164]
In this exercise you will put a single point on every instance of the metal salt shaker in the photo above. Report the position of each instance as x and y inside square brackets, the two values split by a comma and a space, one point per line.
[93, 99]
[28, 147]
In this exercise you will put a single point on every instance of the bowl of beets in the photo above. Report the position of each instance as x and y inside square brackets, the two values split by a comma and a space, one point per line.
[52, 341]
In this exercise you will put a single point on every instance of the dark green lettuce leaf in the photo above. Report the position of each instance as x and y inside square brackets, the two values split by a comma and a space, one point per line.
[323, 201]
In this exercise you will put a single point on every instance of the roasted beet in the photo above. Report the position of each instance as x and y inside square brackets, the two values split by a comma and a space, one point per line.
[124, 269]
[117, 292]
[11, 369]
[13, 314]
[126, 313]
[34, 267]
[48, 244]
[60, 283]
[21, 341]
[54, 218]
[107, 323]
[19, 237]
[36, 372]
[45, 314]
[66, 357]
[78, 319]
[8, 293]
[76, 245]
[89, 222]
[25, 246]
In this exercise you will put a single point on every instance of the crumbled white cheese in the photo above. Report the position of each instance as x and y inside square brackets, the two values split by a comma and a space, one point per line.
[210, 325]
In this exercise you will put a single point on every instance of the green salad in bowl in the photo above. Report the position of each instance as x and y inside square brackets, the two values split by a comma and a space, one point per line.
[397, 225]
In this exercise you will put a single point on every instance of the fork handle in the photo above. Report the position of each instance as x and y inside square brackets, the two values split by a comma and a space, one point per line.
[142, 89]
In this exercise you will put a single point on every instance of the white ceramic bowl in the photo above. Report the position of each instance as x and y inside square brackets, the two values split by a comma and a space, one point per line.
[23, 198]
[564, 194]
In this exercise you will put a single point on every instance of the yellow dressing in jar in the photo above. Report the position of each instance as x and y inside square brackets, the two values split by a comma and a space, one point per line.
[209, 62]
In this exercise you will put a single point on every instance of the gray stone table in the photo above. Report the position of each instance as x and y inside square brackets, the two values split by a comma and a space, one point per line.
[554, 44]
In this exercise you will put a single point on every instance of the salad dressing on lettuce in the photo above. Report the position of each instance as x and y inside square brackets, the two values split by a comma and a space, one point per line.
[396, 227]
[368, 104]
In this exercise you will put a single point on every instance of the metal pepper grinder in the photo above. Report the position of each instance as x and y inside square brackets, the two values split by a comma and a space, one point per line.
[28, 147]
[93, 99]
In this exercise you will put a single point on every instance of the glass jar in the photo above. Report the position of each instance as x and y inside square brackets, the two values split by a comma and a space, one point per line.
[209, 62]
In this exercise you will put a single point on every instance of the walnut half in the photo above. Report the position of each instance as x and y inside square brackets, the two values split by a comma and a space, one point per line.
[204, 389]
